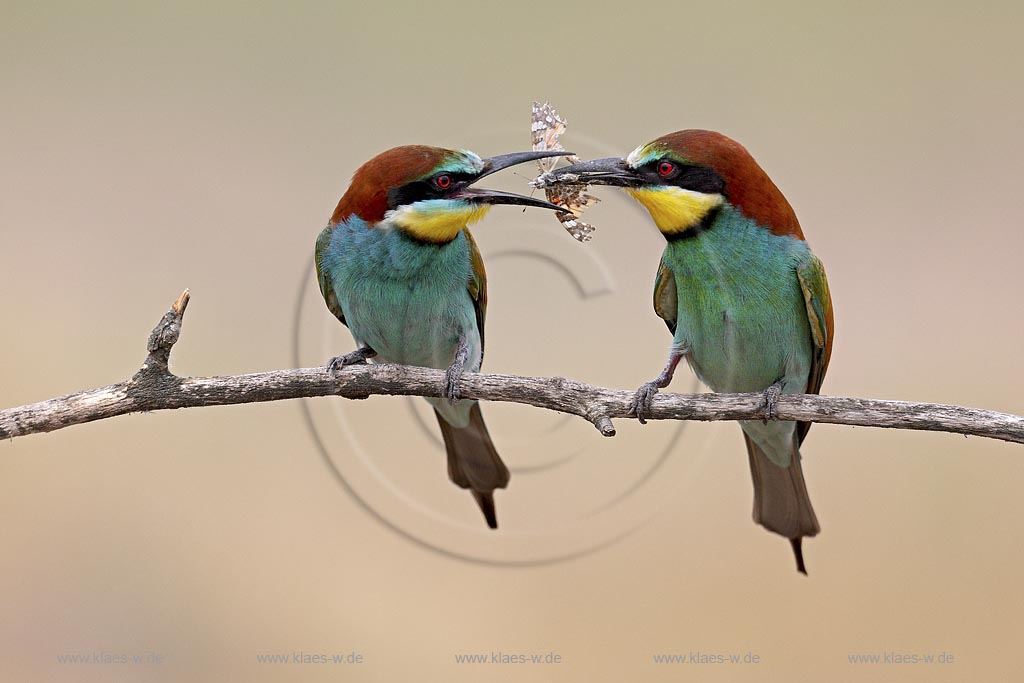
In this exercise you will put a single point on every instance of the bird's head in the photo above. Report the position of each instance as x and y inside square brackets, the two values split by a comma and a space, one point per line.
[683, 178]
[425, 191]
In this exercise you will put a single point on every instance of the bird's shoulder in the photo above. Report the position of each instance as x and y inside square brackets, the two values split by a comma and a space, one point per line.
[323, 277]
[666, 294]
[818, 301]
[477, 285]
[810, 274]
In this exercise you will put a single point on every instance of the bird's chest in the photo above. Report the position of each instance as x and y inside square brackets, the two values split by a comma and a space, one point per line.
[409, 301]
[741, 314]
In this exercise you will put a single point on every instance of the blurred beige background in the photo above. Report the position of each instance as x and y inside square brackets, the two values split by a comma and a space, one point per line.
[150, 149]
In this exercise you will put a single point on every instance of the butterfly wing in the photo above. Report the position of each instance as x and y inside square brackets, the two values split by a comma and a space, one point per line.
[546, 126]
[575, 198]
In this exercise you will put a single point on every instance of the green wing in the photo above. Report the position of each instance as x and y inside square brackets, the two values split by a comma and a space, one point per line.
[477, 287]
[819, 314]
[666, 300]
[322, 276]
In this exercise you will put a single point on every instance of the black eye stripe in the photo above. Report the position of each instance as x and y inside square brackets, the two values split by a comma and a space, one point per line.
[687, 176]
[426, 188]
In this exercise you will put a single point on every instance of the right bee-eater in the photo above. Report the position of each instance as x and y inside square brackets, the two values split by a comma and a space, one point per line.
[398, 265]
[746, 300]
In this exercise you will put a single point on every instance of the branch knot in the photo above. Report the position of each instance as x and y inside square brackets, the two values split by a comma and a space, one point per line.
[164, 336]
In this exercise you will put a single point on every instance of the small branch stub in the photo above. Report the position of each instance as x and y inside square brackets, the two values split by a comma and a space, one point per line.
[179, 305]
[604, 425]
[165, 335]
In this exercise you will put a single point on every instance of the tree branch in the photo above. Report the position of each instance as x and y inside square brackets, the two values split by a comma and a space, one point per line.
[154, 387]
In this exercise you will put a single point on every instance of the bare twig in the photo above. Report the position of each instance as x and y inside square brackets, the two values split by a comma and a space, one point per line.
[154, 387]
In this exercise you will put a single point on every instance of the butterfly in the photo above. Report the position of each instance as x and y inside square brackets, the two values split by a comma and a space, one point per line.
[546, 126]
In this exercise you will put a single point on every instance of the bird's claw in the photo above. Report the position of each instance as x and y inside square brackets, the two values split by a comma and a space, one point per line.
[770, 409]
[640, 406]
[357, 357]
[453, 374]
[451, 384]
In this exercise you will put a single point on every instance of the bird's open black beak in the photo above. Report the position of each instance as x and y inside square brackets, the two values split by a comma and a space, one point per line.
[610, 171]
[495, 164]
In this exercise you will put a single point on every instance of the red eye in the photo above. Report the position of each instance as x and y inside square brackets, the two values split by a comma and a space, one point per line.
[665, 168]
[443, 181]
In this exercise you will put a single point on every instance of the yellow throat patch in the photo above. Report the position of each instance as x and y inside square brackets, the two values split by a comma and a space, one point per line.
[674, 209]
[438, 221]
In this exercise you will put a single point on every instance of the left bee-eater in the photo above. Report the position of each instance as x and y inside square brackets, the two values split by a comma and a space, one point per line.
[398, 265]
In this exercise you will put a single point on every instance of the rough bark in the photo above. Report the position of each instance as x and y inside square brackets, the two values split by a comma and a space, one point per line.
[154, 387]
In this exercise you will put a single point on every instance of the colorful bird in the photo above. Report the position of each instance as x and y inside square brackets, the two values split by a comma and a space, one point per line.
[398, 266]
[745, 299]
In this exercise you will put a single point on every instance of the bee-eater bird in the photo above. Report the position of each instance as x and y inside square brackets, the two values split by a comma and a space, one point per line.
[398, 265]
[745, 299]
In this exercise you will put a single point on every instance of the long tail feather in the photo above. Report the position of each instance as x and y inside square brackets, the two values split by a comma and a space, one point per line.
[781, 503]
[473, 462]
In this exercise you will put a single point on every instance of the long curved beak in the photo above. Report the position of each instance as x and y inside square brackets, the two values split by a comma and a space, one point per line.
[497, 163]
[609, 171]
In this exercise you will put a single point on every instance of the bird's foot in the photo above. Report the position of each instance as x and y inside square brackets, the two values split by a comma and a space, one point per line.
[454, 373]
[640, 406]
[770, 408]
[451, 384]
[357, 357]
